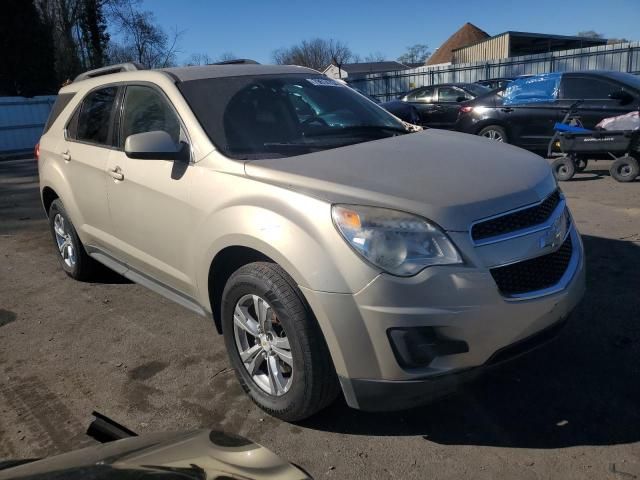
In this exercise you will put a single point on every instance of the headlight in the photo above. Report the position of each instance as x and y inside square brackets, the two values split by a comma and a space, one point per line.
[397, 242]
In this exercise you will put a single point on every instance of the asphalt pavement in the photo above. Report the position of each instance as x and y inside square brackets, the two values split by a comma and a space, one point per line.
[568, 410]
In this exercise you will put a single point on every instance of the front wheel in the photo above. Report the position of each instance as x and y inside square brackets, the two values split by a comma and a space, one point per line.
[494, 132]
[625, 169]
[563, 168]
[275, 344]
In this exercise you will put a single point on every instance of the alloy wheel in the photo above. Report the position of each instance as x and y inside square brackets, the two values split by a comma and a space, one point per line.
[64, 241]
[493, 135]
[263, 345]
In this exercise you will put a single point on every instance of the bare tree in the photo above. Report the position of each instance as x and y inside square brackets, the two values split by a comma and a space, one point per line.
[143, 41]
[198, 59]
[226, 56]
[375, 57]
[316, 53]
[590, 34]
[418, 53]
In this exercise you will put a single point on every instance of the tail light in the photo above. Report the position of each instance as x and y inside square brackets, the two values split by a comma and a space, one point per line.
[36, 151]
[466, 109]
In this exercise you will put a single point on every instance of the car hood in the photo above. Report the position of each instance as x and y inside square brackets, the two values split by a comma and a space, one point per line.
[450, 178]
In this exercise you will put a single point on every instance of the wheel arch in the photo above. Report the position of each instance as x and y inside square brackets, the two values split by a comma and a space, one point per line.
[48, 195]
[227, 261]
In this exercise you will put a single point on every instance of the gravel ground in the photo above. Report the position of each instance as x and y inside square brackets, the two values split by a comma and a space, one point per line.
[568, 410]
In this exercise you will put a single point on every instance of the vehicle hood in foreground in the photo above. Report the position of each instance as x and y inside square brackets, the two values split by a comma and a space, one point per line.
[450, 178]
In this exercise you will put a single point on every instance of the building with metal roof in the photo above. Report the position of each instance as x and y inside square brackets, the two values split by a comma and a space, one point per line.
[514, 44]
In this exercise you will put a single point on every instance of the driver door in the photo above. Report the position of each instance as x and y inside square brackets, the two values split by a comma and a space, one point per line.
[149, 198]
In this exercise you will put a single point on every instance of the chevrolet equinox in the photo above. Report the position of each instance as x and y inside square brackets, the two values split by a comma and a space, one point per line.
[334, 251]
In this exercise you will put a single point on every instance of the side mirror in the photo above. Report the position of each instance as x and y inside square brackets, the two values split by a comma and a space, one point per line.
[622, 96]
[156, 145]
[461, 98]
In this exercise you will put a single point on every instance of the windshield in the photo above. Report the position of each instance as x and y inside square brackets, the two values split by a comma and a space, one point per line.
[270, 116]
[631, 80]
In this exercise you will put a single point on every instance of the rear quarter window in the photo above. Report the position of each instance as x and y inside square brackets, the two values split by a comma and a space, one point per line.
[62, 100]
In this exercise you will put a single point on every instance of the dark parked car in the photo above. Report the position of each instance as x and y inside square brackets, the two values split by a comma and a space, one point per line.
[525, 112]
[438, 105]
[404, 111]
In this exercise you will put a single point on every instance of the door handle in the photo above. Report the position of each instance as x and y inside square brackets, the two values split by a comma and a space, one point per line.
[66, 156]
[507, 110]
[116, 173]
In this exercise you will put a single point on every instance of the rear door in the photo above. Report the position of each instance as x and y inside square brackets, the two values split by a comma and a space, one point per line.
[149, 199]
[423, 100]
[447, 107]
[84, 156]
[595, 92]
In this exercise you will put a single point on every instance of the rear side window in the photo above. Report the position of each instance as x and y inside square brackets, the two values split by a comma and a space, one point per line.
[61, 102]
[422, 95]
[94, 116]
[146, 110]
[586, 88]
[451, 94]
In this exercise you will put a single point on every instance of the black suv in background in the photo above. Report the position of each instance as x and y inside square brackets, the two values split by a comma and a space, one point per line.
[525, 112]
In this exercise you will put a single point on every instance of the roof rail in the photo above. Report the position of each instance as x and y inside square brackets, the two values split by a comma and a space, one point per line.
[120, 67]
[237, 61]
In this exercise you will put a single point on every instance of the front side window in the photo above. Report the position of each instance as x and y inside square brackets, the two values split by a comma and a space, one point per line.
[94, 116]
[576, 88]
[270, 116]
[146, 110]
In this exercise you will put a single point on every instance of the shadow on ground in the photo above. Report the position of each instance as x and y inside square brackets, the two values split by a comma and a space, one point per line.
[581, 389]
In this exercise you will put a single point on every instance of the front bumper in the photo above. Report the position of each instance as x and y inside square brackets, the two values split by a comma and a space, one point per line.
[461, 303]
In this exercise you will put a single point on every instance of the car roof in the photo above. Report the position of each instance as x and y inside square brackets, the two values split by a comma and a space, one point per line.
[185, 74]
[451, 84]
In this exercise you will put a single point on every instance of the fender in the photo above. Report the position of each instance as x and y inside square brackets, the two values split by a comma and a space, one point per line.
[52, 177]
[306, 249]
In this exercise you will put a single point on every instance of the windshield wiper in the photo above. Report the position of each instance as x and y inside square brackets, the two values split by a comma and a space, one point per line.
[359, 129]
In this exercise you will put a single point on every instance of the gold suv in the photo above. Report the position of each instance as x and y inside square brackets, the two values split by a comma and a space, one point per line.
[334, 250]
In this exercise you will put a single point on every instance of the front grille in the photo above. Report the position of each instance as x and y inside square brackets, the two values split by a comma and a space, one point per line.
[533, 274]
[519, 220]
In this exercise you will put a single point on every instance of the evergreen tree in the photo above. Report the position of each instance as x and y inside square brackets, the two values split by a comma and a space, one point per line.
[26, 51]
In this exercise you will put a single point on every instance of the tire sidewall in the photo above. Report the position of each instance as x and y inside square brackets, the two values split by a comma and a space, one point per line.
[568, 164]
[632, 162]
[239, 286]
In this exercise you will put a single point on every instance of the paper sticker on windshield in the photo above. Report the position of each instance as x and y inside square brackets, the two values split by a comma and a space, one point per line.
[323, 82]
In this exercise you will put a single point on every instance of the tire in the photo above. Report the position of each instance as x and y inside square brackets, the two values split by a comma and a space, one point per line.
[495, 133]
[625, 169]
[71, 254]
[310, 383]
[563, 169]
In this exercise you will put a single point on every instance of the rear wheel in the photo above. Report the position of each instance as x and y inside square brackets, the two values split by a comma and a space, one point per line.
[563, 168]
[494, 132]
[625, 169]
[73, 258]
[275, 344]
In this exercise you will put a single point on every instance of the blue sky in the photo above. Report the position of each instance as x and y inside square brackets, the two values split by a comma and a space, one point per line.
[254, 28]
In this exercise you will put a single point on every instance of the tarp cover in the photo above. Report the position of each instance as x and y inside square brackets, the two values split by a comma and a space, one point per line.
[535, 89]
[628, 121]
